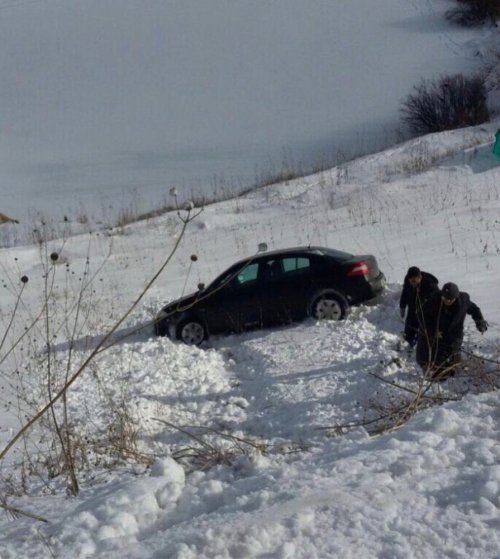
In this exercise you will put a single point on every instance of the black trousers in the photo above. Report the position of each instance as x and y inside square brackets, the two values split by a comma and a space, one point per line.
[411, 328]
[440, 356]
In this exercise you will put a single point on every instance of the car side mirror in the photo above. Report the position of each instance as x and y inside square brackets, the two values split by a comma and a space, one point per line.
[201, 286]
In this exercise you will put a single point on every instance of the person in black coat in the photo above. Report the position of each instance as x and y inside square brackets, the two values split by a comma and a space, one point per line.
[418, 287]
[440, 339]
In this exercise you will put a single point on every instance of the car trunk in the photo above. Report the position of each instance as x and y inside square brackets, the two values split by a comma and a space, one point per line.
[365, 265]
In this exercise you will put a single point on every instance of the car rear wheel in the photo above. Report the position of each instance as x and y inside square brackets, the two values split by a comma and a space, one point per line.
[191, 332]
[329, 307]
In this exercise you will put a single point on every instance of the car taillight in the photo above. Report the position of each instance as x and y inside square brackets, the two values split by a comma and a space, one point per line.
[359, 269]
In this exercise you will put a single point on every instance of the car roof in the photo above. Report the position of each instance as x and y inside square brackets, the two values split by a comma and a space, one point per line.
[320, 251]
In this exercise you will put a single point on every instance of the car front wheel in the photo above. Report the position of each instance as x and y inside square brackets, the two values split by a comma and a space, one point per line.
[191, 332]
[329, 307]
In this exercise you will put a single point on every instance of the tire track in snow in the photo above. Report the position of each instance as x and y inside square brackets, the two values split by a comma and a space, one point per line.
[298, 378]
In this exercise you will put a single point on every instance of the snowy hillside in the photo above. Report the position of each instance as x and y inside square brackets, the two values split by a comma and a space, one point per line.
[265, 444]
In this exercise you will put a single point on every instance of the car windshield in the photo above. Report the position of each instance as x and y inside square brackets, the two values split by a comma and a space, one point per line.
[228, 275]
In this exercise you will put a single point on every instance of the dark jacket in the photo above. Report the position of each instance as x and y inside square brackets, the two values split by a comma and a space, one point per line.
[410, 296]
[446, 323]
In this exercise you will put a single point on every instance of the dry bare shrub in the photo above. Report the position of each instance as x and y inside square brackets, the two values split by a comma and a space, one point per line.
[41, 357]
[398, 403]
[470, 13]
[209, 447]
[447, 103]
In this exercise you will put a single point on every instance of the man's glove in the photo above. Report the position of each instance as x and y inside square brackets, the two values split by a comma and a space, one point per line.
[402, 312]
[482, 326]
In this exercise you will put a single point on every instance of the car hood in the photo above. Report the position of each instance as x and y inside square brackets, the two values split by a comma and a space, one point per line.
[178, 305]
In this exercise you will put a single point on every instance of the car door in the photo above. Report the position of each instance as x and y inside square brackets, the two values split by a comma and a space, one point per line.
[295, 285]
[286, 281]
[232, 305]
[245, 297]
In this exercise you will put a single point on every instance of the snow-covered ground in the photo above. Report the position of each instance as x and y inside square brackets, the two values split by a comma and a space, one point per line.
[308, 485]
[265, 444]
[107, 104]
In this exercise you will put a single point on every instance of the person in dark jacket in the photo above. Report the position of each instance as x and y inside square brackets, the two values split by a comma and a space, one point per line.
[418, 287]
[440, 339]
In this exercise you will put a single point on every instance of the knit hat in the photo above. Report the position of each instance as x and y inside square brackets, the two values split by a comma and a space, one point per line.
[413, 272]
[450, 291]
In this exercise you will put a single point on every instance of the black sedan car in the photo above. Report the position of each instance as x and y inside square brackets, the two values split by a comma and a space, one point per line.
[273, 288]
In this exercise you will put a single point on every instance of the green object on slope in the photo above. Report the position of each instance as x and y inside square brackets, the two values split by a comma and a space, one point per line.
[496, 147]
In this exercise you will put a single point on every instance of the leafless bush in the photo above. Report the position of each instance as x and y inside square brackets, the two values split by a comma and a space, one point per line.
[210, 447]
[402, 401]
[445, 104]
[470, 13]
[40, 376]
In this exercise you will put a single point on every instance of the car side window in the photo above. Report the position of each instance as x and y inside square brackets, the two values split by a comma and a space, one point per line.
[247, 275]
[296, 264]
